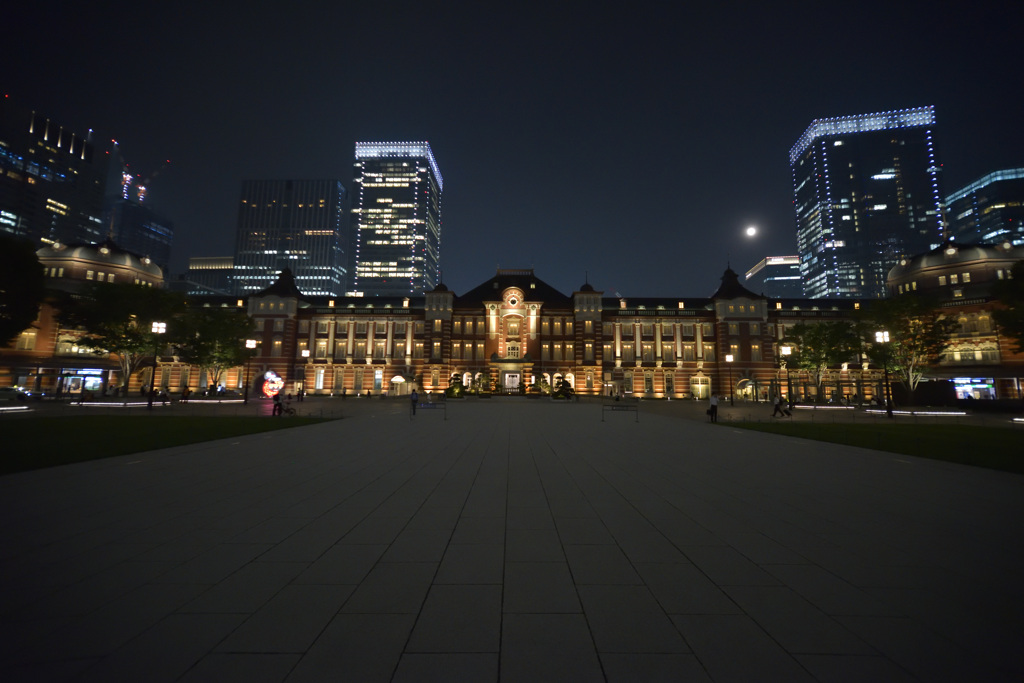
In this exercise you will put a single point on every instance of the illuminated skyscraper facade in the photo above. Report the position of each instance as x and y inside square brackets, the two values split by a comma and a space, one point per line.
[294, 224]
[867, 193]
[777, 277]
[51, 180]
[990, 210]
[396, 219]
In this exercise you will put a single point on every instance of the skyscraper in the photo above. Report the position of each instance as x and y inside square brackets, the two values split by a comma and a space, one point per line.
[294, 224]
[777, 277]
[396, 219]
[51, 179]
[867, 193]
[990, 210]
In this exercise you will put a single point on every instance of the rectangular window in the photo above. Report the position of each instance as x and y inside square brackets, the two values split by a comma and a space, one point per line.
[668, 352]
[588, 327]
[380, 350]
[279, 325]
[360, 350]
[479, 350]
[687, 329]
[709, 353]
[321, 327]
[755, 353]
[276, 347]
[318, 383]
[435, 351]
[27, 341]
[953, 279]
[647, 349]
[942, 279]
[647, 329]
[321, 348]
[670, 385]
[607, 350]
[588, 351]
[399, 328]
[417, 350]
[361, 327]
[456, 350]
[570, 352]
[303, 327]
[557, 350]
[967, 278]
[545, 352]
[89, 275]
[627, 353]
[456, 327]
[558, 328]
[687, 351]
[381, 329]
[734, 328]
[568, 327]
[339, 349]
[755, 330]
[707, 330]
[110, 278]
[734, 349]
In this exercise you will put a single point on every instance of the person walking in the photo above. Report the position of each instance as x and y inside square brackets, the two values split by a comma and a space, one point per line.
[713, 410]
[779, 410]
[414, 398]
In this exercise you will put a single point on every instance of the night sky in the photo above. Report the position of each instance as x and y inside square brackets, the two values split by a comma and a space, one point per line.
[628, 141]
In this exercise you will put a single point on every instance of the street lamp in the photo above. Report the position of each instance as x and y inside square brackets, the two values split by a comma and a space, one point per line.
[786, 351]
[728, 364]
[157, 329]
[250, 344]
[882, 337]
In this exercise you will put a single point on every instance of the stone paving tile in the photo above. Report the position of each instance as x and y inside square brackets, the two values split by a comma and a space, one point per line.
[730, 647]
[854, 669]
[246, 590]
[652, 668]
[215, 564]
[342, 564]
[539, 587]
[599, 564]
[681, 588]
[488, 530]
[392, 588]
[445, 668]
[795, 623]
[458, 619]
[289, 622]
[828, 592]
[628, 619]
[356, 647]
[475, 563]
[726, 567]
[548, 647]
[148, 657]
[533, 545]
[418, 545]
[520, 518]
[582, 531]
[241, 668]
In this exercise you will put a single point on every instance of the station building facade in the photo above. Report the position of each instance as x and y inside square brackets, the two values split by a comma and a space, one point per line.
[521, 332]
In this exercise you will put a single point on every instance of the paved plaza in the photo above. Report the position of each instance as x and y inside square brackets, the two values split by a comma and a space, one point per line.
[516, 540]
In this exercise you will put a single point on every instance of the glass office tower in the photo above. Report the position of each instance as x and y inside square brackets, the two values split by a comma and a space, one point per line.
[396, 219]
[294, 224]
[990, 210]
[867, 193]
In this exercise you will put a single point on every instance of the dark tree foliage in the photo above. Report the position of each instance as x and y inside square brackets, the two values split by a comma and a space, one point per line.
[117, 319]
[1010, 318]
[212, 339]
[22, 287]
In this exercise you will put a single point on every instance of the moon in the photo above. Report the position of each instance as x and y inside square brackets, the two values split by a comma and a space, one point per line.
[751, 231]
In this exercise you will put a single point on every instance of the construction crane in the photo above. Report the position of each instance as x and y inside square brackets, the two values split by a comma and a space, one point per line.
[128, 178]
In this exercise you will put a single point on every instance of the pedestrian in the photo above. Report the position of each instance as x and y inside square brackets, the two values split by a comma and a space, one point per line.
[277, 405]
[713, 410]
[778, 407]
[414, 398]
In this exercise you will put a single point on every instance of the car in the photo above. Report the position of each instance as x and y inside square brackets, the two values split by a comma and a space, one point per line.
[14, 394]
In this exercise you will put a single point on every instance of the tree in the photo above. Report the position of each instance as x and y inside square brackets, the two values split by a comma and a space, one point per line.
[918, 336]
[820, 346]
[1010, 293]
[22, 287]
[455, 387]
[117, 319]
[212, 339]
[563, 389]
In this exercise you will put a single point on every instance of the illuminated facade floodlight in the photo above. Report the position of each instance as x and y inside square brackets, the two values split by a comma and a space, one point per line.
[867, 192]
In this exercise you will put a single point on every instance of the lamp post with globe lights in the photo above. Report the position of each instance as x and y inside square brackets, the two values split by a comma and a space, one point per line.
[157, 329]
[882, 338]
[250, 345]
[728, 363]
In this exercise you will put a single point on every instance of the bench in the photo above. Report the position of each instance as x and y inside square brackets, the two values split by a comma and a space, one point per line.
[442, 406]
[621, 408]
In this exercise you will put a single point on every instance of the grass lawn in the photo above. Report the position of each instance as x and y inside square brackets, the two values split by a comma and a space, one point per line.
[34, 443]
[998, 448]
